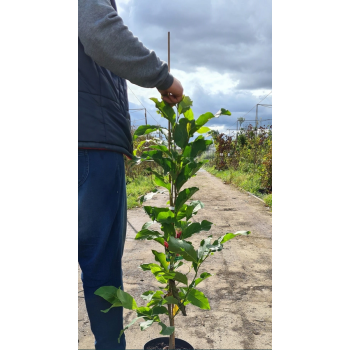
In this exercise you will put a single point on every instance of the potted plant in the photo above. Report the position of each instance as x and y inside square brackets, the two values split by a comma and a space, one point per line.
[178, 159]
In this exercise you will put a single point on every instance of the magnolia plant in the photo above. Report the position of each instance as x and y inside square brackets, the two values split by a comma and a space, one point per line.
[178, 160]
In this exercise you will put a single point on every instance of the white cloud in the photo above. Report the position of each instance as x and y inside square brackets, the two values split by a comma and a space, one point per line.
[143, 95]
[260, 93]
[221, 63]
[212, 82]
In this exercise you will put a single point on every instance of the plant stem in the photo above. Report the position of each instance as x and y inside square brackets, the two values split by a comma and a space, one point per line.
[170, 180]
[171, 284]
[172, 336]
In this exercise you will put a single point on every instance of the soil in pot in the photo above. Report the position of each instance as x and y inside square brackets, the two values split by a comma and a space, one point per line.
[163, 344]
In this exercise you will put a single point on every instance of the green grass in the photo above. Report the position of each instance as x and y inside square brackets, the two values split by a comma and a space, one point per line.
[268, 200]
[247, 181]
[138, 187]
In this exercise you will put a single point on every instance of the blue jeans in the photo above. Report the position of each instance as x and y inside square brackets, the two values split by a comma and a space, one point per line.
[102, 229]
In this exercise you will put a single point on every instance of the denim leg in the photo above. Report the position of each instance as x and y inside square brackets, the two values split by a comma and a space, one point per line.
[102, 229]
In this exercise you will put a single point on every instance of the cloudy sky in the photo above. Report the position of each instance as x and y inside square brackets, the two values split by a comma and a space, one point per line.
[221, 51]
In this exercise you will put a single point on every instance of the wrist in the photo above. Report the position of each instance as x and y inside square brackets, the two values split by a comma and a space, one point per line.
[165, 85]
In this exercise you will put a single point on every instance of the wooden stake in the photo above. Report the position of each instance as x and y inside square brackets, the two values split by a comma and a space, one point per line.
[171, 318]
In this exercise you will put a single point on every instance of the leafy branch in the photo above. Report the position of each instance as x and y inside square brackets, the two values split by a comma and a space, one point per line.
[177, 157]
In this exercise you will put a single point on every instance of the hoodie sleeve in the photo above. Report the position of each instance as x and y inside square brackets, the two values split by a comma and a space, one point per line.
[113, 46]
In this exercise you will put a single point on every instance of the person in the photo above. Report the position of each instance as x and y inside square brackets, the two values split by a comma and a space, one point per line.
[108, 53]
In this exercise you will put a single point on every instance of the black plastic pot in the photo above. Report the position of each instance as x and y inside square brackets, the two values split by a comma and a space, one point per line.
[178, 343]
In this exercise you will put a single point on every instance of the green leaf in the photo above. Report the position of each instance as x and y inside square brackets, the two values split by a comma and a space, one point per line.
[168, 166]
[189, 210]
[185, 211]
[182, 224]
[170, 300]
[203, 130]
[181, 132]
[127, 300]
[204, 118]
[153, 154]
[161, 257]
[160, 240]
[218, 244]
[222, 111]
[159, 180]
[109, 293]
[168, 230]
[178, 265]
[147, 225]
[159, 310]
[176, 276]
[184, 196]
[155, 299]
[128, 326]
[197, 298]
[186, 173]
[147, 234]
[146, 324]
[196, 147]
[184, 105]
[202, 277]
[215, 247]
[144, 130]
[203, 249]
[144, 311]
[180, 277]
[146, 267]
[182, 295]
[206, 225]
[184, 248]
[197, 205]
[156, 270]
[195, 228]
[166, 109]
[189, 114]
[229, 236]
[162, 148]
[148, 295]
[166, 330]
[161, 215]
[190, 230]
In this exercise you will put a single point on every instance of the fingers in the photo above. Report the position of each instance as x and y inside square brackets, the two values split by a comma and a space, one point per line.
[168, 100]
[171, 99]
[174, 94]
[175, 98]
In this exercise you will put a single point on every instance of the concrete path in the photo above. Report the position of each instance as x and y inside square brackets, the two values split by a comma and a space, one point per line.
[240, 292]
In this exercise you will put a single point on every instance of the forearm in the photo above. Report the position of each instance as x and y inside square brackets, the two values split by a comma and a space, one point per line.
[111, 45]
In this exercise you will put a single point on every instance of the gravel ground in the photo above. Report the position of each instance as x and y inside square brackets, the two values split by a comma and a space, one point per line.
[240, 292]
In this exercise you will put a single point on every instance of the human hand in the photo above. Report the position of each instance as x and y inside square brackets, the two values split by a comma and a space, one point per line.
[174, 94]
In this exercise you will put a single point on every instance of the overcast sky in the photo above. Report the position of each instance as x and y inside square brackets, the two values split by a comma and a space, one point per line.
[221, 51]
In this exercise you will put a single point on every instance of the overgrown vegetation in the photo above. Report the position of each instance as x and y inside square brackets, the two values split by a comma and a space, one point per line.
[136, 187]
[247, 181]
[139, 180]
[245, 161]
